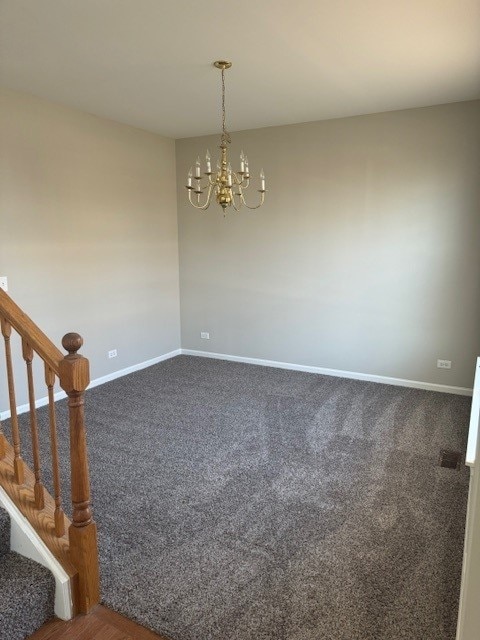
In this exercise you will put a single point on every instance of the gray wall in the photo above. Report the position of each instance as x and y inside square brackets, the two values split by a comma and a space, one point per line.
[365, 256]
[88, 232]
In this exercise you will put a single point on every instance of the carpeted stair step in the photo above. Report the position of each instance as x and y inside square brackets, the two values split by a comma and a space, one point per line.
[27, 590]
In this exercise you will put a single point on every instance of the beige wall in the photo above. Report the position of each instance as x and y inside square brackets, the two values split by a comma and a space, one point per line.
[88, 231]
[365, 256]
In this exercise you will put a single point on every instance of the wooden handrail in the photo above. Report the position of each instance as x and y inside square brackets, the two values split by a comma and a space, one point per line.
[28, 330]
[77, 550]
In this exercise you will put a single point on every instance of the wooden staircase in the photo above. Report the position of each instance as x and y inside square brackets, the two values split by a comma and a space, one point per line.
[73, 543]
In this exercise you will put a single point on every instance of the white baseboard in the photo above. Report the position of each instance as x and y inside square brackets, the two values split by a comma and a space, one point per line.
[25, 541]
[399, 382]
[133, 368]
[41, 402]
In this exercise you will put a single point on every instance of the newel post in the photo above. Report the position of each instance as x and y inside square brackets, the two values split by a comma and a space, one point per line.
[74, 379]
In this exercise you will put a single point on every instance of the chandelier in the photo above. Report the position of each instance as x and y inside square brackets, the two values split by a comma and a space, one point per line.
[226, 185]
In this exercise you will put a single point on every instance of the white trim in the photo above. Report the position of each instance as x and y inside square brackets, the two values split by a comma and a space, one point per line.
[400, 382]
[468, 616]
[467, 548]
[25, 541]
[41, 402]
[474, 420]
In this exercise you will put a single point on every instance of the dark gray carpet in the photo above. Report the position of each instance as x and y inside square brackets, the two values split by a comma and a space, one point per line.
[27, 590]
[4, 532]
[246, 503]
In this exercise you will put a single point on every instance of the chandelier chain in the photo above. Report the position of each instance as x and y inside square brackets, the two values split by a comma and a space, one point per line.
[225, 134]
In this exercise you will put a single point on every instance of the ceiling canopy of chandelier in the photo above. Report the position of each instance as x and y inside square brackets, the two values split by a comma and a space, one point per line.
[226, 185]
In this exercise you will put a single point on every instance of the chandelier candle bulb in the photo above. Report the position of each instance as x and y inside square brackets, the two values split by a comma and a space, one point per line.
[226, 185]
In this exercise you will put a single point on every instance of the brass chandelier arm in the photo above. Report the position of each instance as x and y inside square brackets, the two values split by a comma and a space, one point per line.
[199, 206]
[262, 200]
[242, 181]
[234, 204]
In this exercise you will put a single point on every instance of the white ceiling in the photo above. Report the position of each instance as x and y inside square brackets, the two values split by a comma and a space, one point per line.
[148, 62]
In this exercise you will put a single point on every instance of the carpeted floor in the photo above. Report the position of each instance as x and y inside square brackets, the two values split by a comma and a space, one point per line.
[237, 502]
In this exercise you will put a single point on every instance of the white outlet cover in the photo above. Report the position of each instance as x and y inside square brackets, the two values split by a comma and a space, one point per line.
[205, 335]
[112, 353]
[444, 364]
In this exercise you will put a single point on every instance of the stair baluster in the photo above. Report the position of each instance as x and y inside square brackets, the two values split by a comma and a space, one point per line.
[59, 516]
[27, 352]
[18, 468]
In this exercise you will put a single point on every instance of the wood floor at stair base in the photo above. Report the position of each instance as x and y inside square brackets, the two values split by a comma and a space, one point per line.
[101, 623]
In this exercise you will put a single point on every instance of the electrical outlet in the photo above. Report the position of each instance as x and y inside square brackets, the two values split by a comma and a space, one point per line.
[444, 364]
[205, 335]
[4, 283]
[112, 353]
